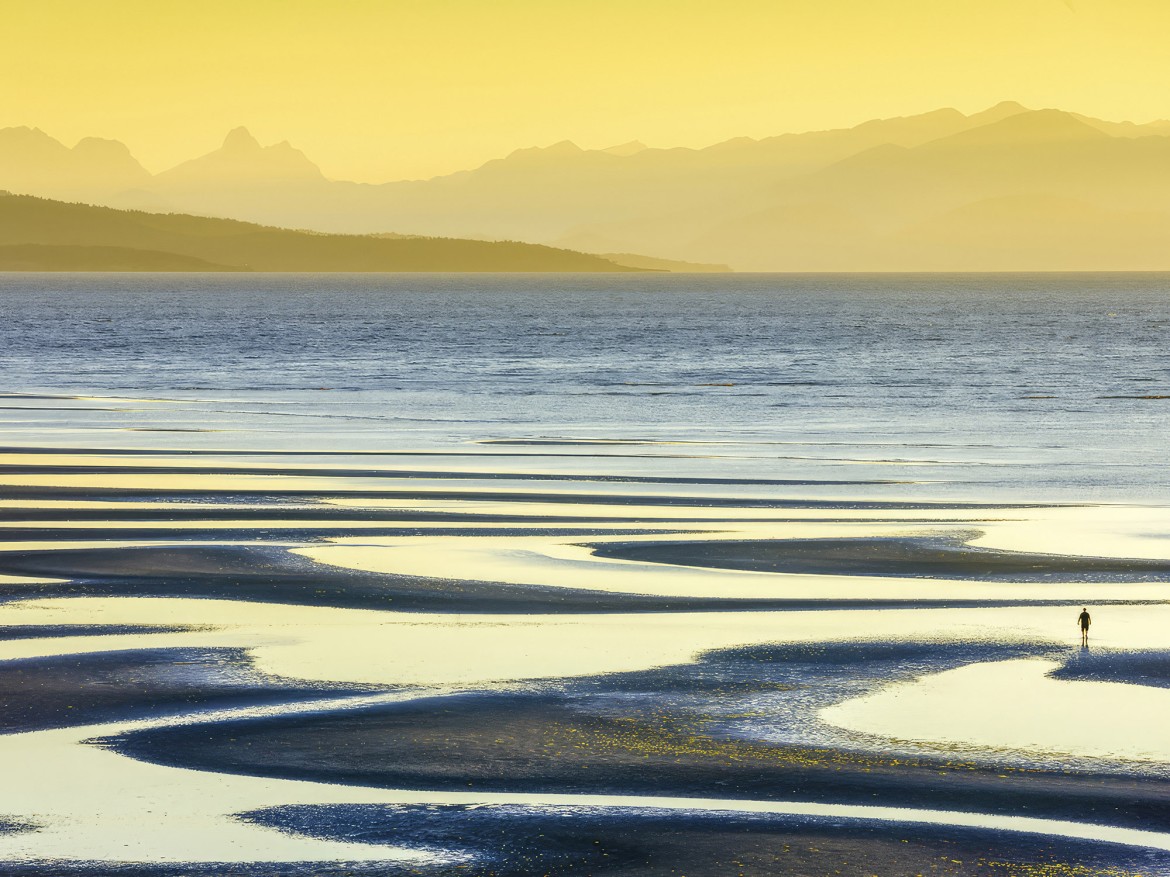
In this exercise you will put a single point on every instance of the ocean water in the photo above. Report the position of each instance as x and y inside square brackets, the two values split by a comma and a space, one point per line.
[1008, 386]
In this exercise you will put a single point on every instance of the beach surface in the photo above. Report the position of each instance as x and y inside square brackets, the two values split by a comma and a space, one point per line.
[271, 632]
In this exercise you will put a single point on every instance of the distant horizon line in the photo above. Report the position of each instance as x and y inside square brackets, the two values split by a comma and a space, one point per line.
[636, 275]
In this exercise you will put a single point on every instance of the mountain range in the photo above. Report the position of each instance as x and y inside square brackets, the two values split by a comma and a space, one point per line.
[1009, 188]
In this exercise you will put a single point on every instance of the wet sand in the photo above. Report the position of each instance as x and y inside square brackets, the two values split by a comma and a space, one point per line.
[93, 688]
[252, 646]
[522, 841]
[947, 558]
[702, 731]
[275, 574]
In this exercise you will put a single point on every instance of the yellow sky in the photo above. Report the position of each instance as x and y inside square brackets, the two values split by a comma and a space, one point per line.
[386, 89]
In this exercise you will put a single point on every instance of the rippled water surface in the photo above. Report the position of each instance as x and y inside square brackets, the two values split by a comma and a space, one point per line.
[1045, 385]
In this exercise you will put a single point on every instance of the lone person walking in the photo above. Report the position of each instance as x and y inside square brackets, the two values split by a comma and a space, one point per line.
[1084, 621]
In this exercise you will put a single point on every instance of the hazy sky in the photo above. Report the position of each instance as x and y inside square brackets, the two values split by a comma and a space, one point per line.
[385, 89]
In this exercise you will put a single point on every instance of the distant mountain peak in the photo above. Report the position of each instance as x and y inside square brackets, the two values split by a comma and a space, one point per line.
[1005, 109]
[240, 140]
[1030, 126]
[25, 136]
[627, 149]
[32, 161]
[933, 116]
[1050, 120]
[242, 160]
[102, 146]
[1007, 106]
[564, 147]
[23, 131]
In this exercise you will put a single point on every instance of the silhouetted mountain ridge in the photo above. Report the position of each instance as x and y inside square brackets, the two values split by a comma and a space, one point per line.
[32, 162]
[43, 235]
[841, 199]
[242, 160]
[875, 209]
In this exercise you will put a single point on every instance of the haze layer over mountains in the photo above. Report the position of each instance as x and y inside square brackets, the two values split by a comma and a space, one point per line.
[1005, 189]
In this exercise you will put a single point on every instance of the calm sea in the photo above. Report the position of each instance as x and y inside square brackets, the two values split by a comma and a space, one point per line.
[1012, 386]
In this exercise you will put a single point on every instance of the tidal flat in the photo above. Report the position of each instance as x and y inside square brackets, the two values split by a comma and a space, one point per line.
[240, 678]
[292, 629]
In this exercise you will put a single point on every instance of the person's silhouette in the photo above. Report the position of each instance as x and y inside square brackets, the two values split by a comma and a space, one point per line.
[1084, 621]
